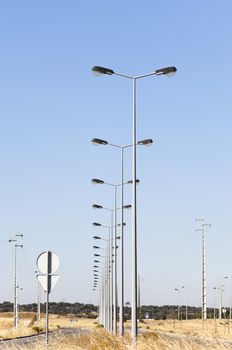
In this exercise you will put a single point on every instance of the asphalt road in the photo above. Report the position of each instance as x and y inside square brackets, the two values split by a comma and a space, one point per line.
[30, 342]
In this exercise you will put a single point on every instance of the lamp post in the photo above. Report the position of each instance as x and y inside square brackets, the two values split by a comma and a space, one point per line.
[222, 290]
[110, 292]
[115, 186]
[214, 309]
[112, 284]
[16, 245]
[186, 306]
[203, 225]
[106, 71]
[178, 306]
[145, 142]
[107, 280]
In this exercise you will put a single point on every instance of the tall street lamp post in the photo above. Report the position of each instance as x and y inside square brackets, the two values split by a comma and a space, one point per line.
[115, 186]
[145, 142]
[178, 306]
[186, 306]
[106, 71]
[16, 245]
[96, 206]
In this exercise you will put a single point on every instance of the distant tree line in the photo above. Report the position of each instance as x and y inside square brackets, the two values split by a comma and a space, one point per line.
[89, 310]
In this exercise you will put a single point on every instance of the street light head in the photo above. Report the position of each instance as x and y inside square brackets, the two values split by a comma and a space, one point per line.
[128, 206]
[99, 142]
[96, 206]
[96, 237]
[124, 224]
[96, 247]
[97, 255]
[102, 70]
[96, 224]
[97, 182]
[166, 71]
[96, 261]
[131, 181]
[147, 142]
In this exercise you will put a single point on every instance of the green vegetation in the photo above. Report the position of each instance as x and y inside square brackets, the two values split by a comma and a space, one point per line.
[89, 310]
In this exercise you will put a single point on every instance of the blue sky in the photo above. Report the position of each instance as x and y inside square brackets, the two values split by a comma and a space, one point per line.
[51, 106]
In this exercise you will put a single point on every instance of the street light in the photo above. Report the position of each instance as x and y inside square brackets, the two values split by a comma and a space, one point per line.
[98, 70]
[95, 206]
[145, 142]
[186, 306]
[178, 307]
[16, 245]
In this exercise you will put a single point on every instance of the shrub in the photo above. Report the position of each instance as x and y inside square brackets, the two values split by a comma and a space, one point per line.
[38, 329]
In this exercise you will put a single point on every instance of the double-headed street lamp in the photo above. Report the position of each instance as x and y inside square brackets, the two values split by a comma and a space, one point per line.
[115, 186]
[16, 245]
[145, 142]
[107, 71]
[112, 292]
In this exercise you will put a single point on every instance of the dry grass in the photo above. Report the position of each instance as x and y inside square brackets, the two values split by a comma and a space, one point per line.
[98, 339]
[209, 329]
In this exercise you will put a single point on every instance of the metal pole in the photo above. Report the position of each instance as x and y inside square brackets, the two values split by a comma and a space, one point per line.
[106, 287]
[121, 314]
[139, 305]
[214, 309]
[230, 299]
[115, 260]
[109, 284]
[112, 273]
[38, 300]
[15, 287]
[220, 309]
[47, 320]
[134, 325]
[203, 277]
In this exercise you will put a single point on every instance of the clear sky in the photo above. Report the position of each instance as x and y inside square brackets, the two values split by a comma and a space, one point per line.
[51, 106]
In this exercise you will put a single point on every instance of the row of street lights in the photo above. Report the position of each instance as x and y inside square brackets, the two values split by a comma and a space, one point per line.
[106, 71]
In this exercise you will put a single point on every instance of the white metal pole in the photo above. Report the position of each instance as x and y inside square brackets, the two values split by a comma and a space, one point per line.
[47, 320]
[115, 260]
[204, 316]
[109, 283]
[220, 304]
[15, 287]
[112, 273]
[134, 325]
[121, 314]
[38, 300]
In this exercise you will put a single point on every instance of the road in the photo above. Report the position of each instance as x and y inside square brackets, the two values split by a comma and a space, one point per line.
[29, 342]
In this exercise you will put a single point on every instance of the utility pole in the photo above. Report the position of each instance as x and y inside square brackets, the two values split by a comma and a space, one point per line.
[16, 245]
[203, 224]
